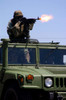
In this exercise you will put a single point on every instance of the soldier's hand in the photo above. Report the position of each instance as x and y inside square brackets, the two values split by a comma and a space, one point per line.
[17, 24]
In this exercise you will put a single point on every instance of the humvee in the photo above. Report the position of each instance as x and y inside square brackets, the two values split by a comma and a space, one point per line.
[32, 71]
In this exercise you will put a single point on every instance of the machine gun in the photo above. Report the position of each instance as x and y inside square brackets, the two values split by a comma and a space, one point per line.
[28, 21]
[28, 25]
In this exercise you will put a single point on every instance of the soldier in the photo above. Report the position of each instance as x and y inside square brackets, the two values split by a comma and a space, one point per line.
[18, 27]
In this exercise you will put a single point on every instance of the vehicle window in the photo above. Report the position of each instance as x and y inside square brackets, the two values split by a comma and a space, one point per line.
[0, 55]
[21, 56]
[52, 56]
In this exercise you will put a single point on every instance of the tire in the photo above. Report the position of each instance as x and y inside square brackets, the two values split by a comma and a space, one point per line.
[11, 93]
[14, 93]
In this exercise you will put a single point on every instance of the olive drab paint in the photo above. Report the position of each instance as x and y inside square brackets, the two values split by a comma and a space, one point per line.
[35, 60]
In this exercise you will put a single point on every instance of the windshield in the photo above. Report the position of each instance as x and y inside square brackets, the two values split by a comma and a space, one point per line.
[52, 56]
[1, 55]
[21, 56]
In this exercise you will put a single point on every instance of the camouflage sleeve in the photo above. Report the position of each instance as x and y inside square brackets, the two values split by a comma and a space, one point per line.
[17, 25]
[12, 29]
[16, 29]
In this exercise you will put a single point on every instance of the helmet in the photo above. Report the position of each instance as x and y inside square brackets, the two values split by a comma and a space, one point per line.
[18, 13]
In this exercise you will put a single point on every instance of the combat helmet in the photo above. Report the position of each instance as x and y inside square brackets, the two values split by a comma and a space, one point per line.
[18, 13]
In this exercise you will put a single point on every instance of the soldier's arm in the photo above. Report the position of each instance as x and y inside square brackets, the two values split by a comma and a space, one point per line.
[11, 29]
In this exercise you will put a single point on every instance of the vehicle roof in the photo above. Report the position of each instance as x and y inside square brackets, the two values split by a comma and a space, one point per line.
[46, 44]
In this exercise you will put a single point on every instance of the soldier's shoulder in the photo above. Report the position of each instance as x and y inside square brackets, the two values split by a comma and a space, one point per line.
[10, 23]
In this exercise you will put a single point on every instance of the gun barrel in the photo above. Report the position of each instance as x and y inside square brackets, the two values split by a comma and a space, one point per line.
[38, 18]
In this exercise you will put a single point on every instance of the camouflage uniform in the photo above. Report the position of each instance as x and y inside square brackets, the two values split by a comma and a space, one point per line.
[18, 29]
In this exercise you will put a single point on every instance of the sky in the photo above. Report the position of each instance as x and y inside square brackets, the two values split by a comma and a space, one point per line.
[53, 30]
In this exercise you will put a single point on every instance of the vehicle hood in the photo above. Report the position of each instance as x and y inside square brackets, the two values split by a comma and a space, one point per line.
[56, 70]
[25, 70]
[44, 71]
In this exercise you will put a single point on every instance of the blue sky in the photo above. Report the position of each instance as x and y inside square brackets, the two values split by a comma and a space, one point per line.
[53, 30]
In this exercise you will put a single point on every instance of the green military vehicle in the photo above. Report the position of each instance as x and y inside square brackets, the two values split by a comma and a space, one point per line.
[32, 71]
